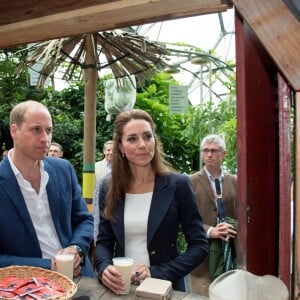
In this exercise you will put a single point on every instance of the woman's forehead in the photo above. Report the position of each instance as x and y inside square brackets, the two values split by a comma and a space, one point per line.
[136, 126]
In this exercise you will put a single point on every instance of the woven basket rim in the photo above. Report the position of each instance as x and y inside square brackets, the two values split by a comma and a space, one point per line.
[67, 284]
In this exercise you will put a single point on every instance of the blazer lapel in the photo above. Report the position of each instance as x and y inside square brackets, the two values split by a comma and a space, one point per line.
[205, 183]
[53, 195]
[161, 200]
[225, 186]
[11, 187]
[118, 225]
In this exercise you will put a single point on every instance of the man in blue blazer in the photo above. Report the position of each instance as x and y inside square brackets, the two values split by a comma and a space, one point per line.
[42, 212]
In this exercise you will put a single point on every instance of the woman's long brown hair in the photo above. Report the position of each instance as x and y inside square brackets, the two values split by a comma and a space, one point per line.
[121, 175]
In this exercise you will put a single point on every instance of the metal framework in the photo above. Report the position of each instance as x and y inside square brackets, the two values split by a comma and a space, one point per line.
[207, 74]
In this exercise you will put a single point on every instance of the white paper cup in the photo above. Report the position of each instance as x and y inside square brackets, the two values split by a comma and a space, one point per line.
[65, 264]
[124, 265]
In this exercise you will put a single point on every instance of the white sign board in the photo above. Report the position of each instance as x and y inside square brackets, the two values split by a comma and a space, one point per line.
[178, 98]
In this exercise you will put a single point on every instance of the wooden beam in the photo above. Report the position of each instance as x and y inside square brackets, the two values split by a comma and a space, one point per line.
[32, 9]
[104, 16]
[278, 30]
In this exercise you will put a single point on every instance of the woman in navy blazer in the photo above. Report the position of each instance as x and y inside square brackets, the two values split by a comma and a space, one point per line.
[144, 197]
[31, 129]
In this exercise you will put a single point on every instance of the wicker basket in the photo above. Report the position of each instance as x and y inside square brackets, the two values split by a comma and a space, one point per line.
[67, 284]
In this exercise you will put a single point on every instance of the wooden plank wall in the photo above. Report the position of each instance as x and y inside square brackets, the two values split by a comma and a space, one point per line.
[278, 30]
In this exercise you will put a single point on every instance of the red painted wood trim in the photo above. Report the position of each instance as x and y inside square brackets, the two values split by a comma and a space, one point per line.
[258, 158]
[241, 145]
[284, 181]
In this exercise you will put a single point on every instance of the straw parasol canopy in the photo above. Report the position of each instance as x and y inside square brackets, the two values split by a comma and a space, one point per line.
[125, 53]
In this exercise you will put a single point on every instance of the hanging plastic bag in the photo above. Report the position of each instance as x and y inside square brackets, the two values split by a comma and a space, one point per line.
[120, 95]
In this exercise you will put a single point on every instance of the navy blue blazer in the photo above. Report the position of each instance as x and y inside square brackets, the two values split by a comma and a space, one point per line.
[73, 223]
[173, 205]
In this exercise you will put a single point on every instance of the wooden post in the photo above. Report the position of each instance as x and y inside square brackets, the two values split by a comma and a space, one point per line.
[89, 120]
[258, 154]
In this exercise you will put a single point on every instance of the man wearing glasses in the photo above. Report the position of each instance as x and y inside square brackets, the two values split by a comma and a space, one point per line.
[213, 184]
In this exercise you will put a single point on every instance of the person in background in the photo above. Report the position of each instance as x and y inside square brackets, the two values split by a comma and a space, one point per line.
[42, 212]
[4, 153]
[55, 150]
[213, 152]
[103, 166]
[144, 203]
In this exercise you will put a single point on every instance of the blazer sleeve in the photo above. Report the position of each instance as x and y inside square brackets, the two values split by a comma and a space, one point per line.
[9, 260]
[73, 222]
[18, 241]
[184, 203]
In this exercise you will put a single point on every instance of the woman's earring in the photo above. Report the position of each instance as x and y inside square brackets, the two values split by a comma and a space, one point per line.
[123, 154]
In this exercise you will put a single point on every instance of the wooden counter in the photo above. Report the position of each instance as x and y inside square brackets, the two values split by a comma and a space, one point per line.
[92, 289]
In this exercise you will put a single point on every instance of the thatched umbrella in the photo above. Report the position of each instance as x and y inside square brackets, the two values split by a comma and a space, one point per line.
[123, 52]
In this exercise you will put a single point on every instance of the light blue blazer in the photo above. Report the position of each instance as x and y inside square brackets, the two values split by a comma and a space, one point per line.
[173, 205]
[73, 223]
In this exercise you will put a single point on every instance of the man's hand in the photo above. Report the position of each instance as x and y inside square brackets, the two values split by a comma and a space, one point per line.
[223, 231]
[77, 259]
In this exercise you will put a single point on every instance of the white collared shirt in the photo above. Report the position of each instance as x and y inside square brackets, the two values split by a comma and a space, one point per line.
[39, 211]
[107, 168]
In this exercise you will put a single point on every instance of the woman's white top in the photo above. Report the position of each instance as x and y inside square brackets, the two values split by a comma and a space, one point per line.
[136, 214]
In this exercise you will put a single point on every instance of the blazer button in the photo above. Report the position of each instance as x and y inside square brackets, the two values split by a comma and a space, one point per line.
[172, 245]
[152, 252]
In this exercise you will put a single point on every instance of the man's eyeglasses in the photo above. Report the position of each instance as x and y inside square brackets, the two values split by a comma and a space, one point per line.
[212, 151]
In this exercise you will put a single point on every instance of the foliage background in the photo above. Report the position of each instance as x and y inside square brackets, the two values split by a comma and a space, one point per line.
[179, 133]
